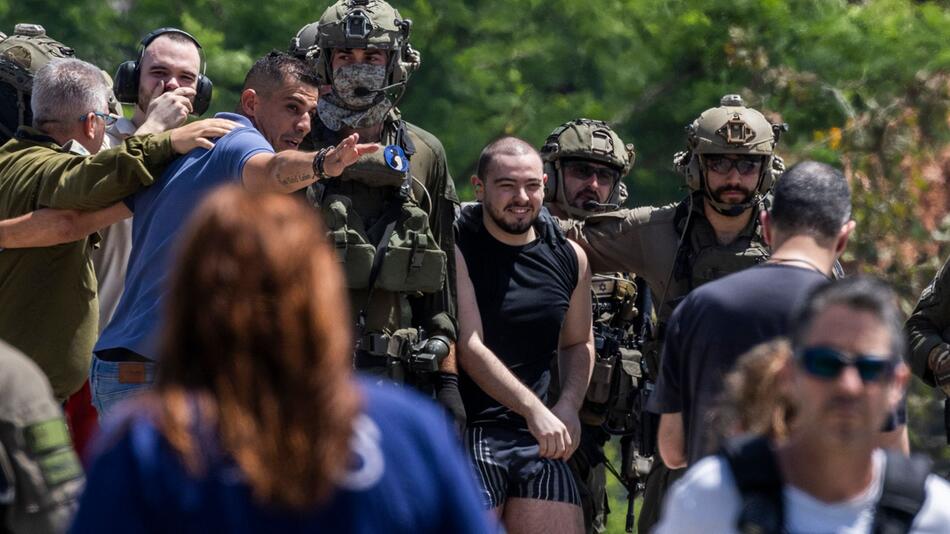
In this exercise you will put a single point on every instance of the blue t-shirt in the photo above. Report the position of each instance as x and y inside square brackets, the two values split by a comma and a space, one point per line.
[409, 477]
[160, 213]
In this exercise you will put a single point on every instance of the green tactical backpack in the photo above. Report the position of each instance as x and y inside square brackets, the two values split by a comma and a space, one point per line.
[21, 55]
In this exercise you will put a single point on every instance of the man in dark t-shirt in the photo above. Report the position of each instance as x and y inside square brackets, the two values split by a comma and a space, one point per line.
[808, 227]
[524, 299]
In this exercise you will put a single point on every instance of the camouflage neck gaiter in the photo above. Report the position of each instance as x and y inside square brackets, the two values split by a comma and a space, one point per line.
[353, 101]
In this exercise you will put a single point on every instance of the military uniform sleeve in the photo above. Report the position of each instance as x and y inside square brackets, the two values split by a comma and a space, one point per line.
[612, 241]
[42, 473]
[95, 182]
[438, 310]
[927, 323]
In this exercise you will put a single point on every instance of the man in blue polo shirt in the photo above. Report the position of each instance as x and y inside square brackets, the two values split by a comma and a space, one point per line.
[279, 96]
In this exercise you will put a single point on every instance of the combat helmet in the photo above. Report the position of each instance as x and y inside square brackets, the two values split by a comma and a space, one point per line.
[21, 55]
[731, 128]
[359, 24]
[590, 140]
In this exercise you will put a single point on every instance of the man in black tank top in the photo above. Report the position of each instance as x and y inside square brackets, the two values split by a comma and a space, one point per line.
[524, 299]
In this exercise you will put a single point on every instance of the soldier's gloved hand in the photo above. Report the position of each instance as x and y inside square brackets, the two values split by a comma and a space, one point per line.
[939, 362]
[449, 396]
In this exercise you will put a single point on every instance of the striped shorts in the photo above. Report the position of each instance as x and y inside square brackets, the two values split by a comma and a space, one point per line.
[507, 465]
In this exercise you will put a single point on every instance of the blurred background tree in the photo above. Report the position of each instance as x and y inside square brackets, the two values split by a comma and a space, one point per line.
[863, 84]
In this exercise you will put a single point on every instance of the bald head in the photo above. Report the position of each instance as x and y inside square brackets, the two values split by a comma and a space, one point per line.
[505, 146]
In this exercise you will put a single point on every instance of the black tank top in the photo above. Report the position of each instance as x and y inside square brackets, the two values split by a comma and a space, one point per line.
[523, 294]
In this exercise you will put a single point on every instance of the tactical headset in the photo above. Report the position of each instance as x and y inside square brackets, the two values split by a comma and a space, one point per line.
[127, 76]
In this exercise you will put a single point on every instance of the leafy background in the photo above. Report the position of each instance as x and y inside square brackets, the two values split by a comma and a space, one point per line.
[863, 84]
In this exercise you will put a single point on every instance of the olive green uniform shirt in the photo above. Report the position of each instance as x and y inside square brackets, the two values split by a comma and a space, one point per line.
[927, 324]
[40, 473]
[49, 309]
[435, 192]
[645, 241]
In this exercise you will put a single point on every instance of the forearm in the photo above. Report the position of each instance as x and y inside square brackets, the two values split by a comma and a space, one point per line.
[42, 228]
[496, 380]
[575, 364]
[284, 172]
[924, 336]
[449, 364]
[671, 440]
[49, 227]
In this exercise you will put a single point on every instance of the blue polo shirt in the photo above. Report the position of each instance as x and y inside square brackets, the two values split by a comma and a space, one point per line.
[161, 212]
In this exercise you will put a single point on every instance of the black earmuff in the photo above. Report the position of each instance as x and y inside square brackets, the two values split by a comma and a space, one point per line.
[126, 82]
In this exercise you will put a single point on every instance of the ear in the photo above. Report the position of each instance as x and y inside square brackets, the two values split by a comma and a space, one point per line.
[843, 237]
[898, 385]
[479, 188]
[249, 102]
[544, 178]
[89, 125]
[766, 223]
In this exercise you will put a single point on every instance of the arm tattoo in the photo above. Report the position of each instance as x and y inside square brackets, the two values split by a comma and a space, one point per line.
[294, 179]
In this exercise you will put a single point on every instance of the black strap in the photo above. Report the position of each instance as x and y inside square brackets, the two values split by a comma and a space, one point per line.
[903, 494]
[389, 218]
[759, 482]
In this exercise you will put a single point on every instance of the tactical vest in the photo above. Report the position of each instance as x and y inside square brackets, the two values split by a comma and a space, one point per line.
[412, 261]
[701, 258]
[21, 55]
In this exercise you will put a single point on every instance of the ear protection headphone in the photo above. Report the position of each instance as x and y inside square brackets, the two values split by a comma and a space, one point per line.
[126, 86]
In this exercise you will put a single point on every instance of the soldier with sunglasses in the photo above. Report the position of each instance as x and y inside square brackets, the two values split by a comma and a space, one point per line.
[730, 166]
[846, 375]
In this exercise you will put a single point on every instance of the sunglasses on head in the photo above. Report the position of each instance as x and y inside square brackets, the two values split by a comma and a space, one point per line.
[828, 363]
[743, 165]
[584, 170]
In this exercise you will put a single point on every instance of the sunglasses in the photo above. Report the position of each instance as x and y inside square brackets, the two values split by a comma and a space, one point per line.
[828, 363]
[107, 118]
[584, 170]
[723, 165]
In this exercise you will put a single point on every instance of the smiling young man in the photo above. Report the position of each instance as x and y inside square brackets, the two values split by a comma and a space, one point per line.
[524, 299]
[279, 96]
[847, 375]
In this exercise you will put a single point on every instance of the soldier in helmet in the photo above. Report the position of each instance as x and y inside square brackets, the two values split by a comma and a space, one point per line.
[729, 165]
[391, 214]
[585, 161]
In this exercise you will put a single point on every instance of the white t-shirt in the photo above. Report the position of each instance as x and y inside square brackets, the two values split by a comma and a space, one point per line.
[706, 501]
[112, 257]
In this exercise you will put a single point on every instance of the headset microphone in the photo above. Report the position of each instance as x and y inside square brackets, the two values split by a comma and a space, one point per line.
[363, 91]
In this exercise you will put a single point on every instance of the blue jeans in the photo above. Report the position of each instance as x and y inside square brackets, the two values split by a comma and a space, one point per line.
[113, 382]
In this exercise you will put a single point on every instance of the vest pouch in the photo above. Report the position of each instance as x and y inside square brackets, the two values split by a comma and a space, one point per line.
[371, 170]
[414, 262]
[348, 237]
[715, 262]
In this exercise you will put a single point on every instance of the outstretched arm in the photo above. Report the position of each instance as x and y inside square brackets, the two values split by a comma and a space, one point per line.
[495, 379]
[290, 170]
[49, 227]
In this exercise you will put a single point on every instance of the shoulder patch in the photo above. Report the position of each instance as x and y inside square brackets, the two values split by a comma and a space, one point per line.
[46, 436]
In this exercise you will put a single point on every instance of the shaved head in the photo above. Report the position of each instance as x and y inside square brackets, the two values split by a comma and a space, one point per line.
[505, 146]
